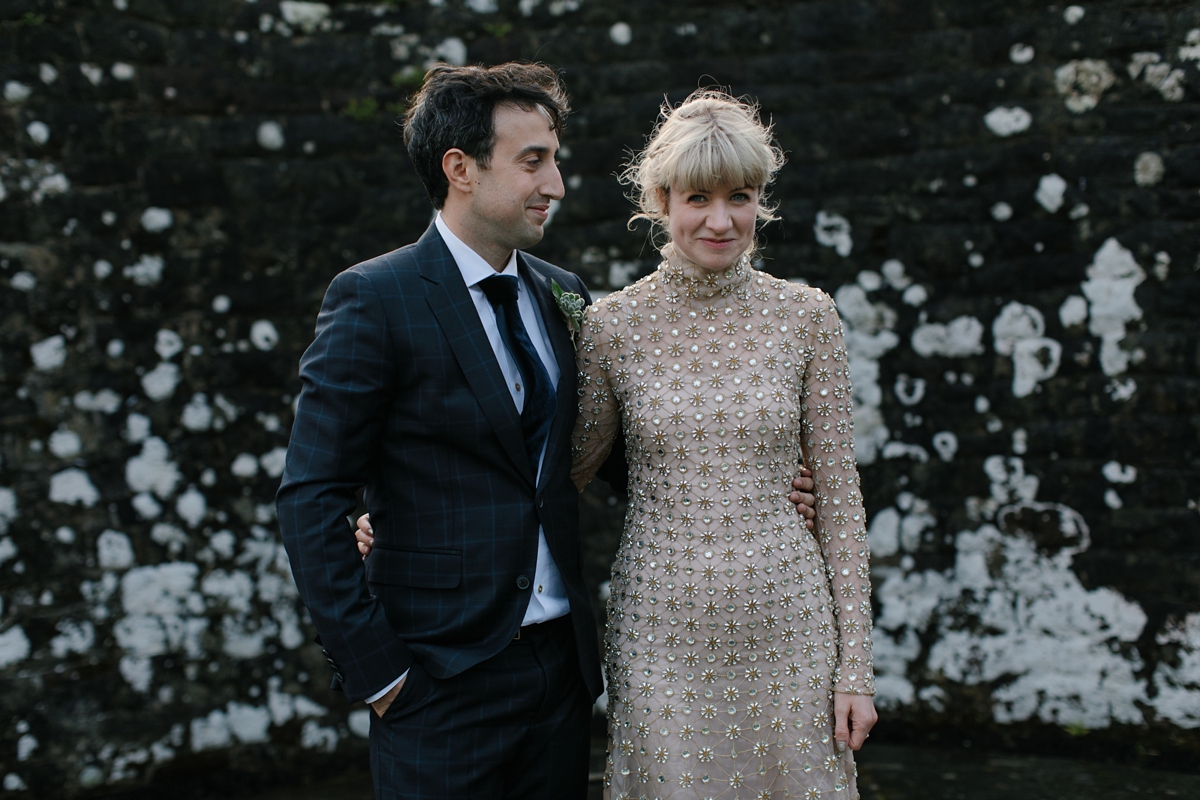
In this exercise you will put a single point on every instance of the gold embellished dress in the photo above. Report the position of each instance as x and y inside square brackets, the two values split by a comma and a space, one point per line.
[730, 625]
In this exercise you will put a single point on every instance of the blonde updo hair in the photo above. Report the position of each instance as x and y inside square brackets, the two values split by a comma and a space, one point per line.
[710, 140]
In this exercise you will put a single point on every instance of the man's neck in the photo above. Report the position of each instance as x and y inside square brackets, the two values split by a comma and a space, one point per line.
[495, 255]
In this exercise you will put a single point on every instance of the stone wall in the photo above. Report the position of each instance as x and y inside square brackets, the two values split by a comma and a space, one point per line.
[1002, 197]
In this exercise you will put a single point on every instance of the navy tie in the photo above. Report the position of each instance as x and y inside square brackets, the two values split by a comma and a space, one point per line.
[538, 411]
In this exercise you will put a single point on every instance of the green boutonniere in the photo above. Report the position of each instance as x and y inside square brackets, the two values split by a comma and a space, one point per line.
[571, 306]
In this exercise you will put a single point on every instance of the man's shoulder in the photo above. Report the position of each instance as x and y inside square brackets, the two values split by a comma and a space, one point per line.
[565, 278]
[401, 259]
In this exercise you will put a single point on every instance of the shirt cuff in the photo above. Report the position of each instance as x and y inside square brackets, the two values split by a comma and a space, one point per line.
[386, 689]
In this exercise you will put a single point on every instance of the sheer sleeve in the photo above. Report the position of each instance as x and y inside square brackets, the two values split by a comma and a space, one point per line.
[841, 524]
[599, 413]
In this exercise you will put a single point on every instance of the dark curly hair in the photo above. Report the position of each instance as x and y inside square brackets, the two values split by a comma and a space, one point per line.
[455, 108]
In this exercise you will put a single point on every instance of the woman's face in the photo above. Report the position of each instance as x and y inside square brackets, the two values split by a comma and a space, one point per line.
[713, 228]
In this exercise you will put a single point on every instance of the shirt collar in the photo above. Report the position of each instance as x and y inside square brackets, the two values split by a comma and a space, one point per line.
[472, 265]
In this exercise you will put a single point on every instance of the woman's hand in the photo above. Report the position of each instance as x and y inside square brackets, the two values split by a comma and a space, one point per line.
[802, 498]
[853, 717]
[364, 534]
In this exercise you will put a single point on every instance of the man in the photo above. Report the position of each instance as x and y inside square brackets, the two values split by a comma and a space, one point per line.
[442, 379]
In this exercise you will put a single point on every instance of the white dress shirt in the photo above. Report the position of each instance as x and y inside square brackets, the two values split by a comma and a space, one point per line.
[549, 598]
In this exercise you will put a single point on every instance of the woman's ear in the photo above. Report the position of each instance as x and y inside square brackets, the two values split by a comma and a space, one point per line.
[663, 196]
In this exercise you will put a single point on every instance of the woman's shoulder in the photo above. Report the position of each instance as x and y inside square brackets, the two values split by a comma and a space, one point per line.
[792, 292]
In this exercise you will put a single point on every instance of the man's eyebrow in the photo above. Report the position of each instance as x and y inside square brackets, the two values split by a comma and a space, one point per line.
[539, 149]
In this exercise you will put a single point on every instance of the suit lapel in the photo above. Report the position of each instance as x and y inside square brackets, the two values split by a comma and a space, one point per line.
[451, 303]
[564, 353]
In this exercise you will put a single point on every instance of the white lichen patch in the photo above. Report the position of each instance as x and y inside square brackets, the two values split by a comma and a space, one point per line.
[1116, 472]
[306, 16]
[1191, 50]
[1050, 192]
[263, 335]
[273, 462]
[1081, 83]
[93, 72]
[73, 487]
[1073, 14]
[160, 382]
[197, 414]
[114, 551]
[50, 353]
[1113, 276]
[314, 736]
[73, 637]
[1001, 212]
[1018, 333]
[452, 50]
[620, 33]
[359, 723]
[65, 443]
[1073, 311]
[1148, 169]
[959, 338]
[945, 444]
[38, 131]
[169, 536]
[270, 136]
[833, 230]
[146, 271]
[1005, 122]
[14, 646]
[1012, 611]
[244, 466]
[16, 92]
[122, 71]
[152, 469]
[1020, 53]
[1159, 75]
[157, 220]
[167, 344]
[1177, 681]
[191, 507]
[8, 508]
[50, 186]
[868, 336]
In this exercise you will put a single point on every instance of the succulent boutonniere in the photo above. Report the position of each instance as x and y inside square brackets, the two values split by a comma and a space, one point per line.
[570, 305]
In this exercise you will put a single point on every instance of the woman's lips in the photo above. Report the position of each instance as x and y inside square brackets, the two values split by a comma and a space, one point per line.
[717, 244]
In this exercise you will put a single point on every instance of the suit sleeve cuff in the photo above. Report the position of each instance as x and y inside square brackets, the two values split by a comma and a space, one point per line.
[386, 689]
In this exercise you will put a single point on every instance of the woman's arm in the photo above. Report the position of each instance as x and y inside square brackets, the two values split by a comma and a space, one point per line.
[841, 524]
[599, 411]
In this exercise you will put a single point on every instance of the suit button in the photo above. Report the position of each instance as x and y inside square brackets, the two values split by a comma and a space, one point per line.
[522, 583]
[541, 500]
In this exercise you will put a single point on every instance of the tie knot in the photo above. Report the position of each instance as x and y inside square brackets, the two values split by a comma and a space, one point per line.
[500, 289]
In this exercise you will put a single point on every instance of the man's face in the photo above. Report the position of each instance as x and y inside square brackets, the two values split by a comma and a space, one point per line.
[511, 199]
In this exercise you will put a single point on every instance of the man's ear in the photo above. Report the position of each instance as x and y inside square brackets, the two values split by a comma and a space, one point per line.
[458, 168]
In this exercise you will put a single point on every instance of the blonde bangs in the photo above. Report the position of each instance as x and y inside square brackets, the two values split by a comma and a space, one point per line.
[709, 158]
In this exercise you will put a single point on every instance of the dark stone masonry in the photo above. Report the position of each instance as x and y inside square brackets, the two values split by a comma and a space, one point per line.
[1003, 198]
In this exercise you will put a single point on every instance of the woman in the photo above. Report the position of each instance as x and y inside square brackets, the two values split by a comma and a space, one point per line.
[735, 636]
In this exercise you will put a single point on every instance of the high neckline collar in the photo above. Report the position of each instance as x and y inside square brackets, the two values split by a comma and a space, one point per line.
[697, 283]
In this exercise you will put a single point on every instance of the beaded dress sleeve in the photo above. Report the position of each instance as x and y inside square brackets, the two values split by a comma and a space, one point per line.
[828, 444]
[599, 412]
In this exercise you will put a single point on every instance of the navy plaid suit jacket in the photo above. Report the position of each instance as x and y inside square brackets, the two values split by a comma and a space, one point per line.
[402, 394]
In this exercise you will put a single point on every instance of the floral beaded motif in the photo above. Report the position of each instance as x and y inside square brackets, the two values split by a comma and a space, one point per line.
[730, 625]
